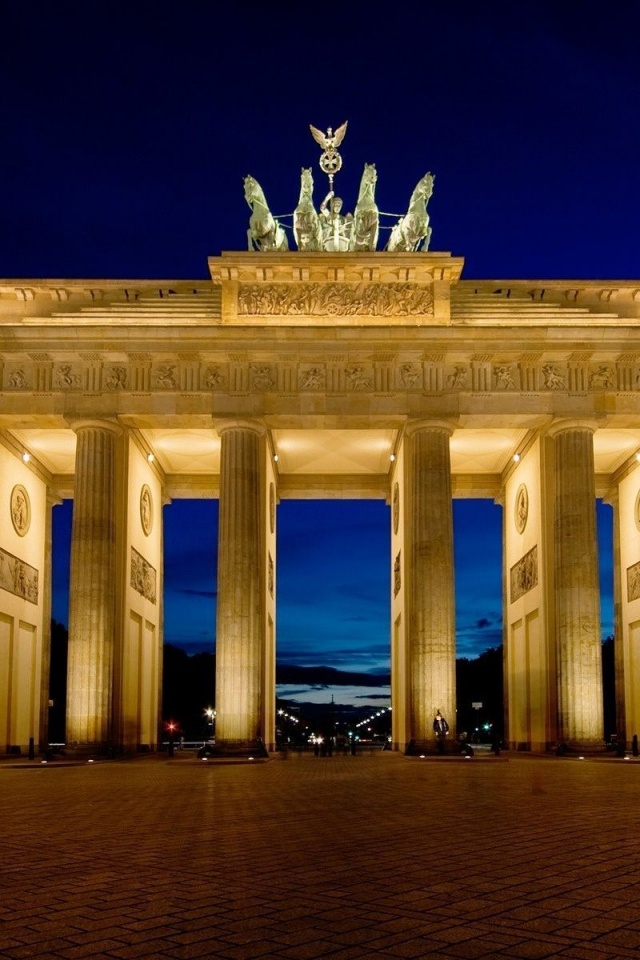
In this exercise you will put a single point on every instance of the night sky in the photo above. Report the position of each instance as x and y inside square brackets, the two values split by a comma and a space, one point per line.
[127, 130]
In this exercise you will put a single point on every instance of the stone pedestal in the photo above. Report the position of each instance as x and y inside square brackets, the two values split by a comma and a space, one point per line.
[577, 596]
[431, 640]
[240, 613]
[92, 586]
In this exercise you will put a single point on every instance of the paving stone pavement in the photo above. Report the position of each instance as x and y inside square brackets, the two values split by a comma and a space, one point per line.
[374, 856]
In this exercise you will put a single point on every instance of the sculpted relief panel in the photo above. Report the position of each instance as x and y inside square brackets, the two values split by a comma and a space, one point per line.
[524, 574]
[18, 577]
[334, 299]
[143, 576]
[633, 582]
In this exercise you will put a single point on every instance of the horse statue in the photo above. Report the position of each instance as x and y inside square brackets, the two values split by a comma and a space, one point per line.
[306, 223]
[264, 233]
[410, 230]
[366, 217]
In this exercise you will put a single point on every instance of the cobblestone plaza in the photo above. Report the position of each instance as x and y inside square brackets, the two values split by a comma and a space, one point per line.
[374, 856]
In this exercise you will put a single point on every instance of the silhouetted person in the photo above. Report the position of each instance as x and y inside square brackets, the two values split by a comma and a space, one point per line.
[441, 729]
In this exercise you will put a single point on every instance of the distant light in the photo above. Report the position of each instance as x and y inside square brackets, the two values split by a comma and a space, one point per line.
[151, 457]
[249, 758]
[580, 758]
[516, 458]
[26, 457]
[90, 761]
[467, 757]
[422, 757]
[204, 758]
[45, 761]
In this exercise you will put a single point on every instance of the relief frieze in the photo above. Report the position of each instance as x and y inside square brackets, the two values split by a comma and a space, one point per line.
[312, 378]
[116, 379]
[143, 576]
[235, 374]
[334, 299]
[18, 577]
[524, 574]
[65, 378]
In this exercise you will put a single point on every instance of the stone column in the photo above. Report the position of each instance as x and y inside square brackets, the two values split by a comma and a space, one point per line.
[240, 627]
[92, 586]
[431, 640]
[577, 594]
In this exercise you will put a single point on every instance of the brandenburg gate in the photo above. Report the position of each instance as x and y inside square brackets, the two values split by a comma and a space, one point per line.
[333, 370]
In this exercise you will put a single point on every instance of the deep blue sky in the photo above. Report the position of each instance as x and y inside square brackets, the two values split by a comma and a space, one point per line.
[127, 129]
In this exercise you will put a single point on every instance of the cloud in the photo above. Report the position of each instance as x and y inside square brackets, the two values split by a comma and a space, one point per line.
[483, 622]
[321, 677]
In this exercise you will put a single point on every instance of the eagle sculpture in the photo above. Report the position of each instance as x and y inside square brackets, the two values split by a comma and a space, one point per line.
[329, 140]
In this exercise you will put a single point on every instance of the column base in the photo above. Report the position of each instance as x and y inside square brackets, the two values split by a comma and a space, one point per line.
[575, 748]
[238, 748]
[89, 751]
[416, 748]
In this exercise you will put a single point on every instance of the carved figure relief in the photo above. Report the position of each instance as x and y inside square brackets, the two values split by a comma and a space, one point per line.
[357, 379]
[552, 379]
[65, 378]
[270, 575]
[18, 379]
[334, 299]
[521, 511]
[146, 510]
[409, 375]
[524, 574]
[18, 577]
[603, 377]
[262, 377]
[272, 507]
[213, 378]
[20, 506]
[503, 376]
[143, 576]
[314, 378]
[397, 575]
[396, 507]
[117, 379]
[458, 379]
[165, 376]
[633, 582]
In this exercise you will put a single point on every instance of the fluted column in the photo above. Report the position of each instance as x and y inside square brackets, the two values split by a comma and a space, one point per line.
[240, 609]
[92, 586]
[577, 595]
[431, 653]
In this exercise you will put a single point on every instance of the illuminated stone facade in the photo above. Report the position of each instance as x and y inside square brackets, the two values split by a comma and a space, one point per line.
[129, 394]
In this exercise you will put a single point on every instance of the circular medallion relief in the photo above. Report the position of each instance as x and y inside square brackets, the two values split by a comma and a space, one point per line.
[521, 511]
[636, 511]
[272, 507]
[146, 510]
[396, 507]
[20, 506]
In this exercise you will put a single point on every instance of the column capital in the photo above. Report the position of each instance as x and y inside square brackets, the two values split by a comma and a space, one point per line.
[561, 425]
[254, 425]
[82, 424]
[415, 426]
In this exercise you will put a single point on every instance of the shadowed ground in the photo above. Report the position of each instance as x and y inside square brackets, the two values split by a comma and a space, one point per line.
[344, 857]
